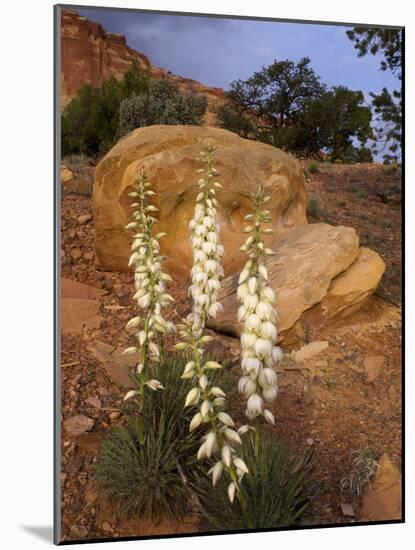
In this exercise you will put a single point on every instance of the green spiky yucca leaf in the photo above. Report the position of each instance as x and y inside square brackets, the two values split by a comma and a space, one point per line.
[144, 479]
[278, 489]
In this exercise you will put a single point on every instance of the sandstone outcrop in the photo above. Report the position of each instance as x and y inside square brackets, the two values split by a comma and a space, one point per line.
[90, 55]
[318, 273]
[171, 157]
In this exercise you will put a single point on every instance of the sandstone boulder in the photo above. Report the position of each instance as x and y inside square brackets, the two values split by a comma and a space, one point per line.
[383, 500]
[347, 293]
[316, 274]
[171, 158]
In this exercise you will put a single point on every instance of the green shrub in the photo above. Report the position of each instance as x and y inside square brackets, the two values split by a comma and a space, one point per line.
[278, 489]
[234, 118]
[314, 207]
[361, 194]
[391, 170]
[164, 104]
[75, 160]
[369, 240]
[90, 121]
[362, 467]
[313, 168]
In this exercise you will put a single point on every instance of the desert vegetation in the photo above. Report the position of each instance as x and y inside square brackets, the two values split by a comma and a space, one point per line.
[148, 464]
[99, 115]
[198, 402]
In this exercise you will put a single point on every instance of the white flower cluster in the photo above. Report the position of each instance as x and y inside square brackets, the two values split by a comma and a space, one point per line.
[257, 312]
[207, 251]
[149, 282]
[222, 438]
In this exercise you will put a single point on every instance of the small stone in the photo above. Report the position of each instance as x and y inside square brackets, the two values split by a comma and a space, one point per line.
[347, 509]
[393, 393]
[77, 425]
[116, 364]
[374, 365]
[308, 351]
[114, 415]
[84, 218]
[76, 253]
[91, 496]
[75, 289]
[89, 443]
[94, 402]
[89, 255]
[357, 369]
[77, 315]
[107, 527]
[66, 174]
[78, 532]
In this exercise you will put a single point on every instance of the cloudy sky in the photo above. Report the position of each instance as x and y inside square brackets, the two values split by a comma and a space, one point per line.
[217, 51]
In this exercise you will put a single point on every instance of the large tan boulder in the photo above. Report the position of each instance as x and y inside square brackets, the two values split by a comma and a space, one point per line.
[318, 272]
[171, 157]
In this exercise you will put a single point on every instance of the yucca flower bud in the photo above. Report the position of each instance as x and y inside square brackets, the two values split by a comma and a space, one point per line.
[216, 472]
[267, 377]
[255, 405]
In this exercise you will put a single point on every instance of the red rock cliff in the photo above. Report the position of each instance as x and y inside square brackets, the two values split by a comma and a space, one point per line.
[91, 55]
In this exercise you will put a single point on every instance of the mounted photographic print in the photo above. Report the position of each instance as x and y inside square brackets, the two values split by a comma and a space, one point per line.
[228, 259]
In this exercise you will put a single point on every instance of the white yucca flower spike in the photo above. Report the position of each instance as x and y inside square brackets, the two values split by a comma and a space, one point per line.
[149, 282]
[258, 315]
[222, 441]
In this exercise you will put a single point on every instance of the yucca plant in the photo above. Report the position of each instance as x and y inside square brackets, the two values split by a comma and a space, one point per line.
[259, 317]
[151, 477]
[144, 479]
[222, 438]
[150, 285]
[278, 489]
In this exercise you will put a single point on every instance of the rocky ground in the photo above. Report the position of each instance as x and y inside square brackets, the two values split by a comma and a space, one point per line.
[344, 399]
[368, 198]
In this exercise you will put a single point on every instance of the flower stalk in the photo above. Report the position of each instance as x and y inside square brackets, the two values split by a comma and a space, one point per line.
[222, 438]
[150, 283]
[258, 315]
